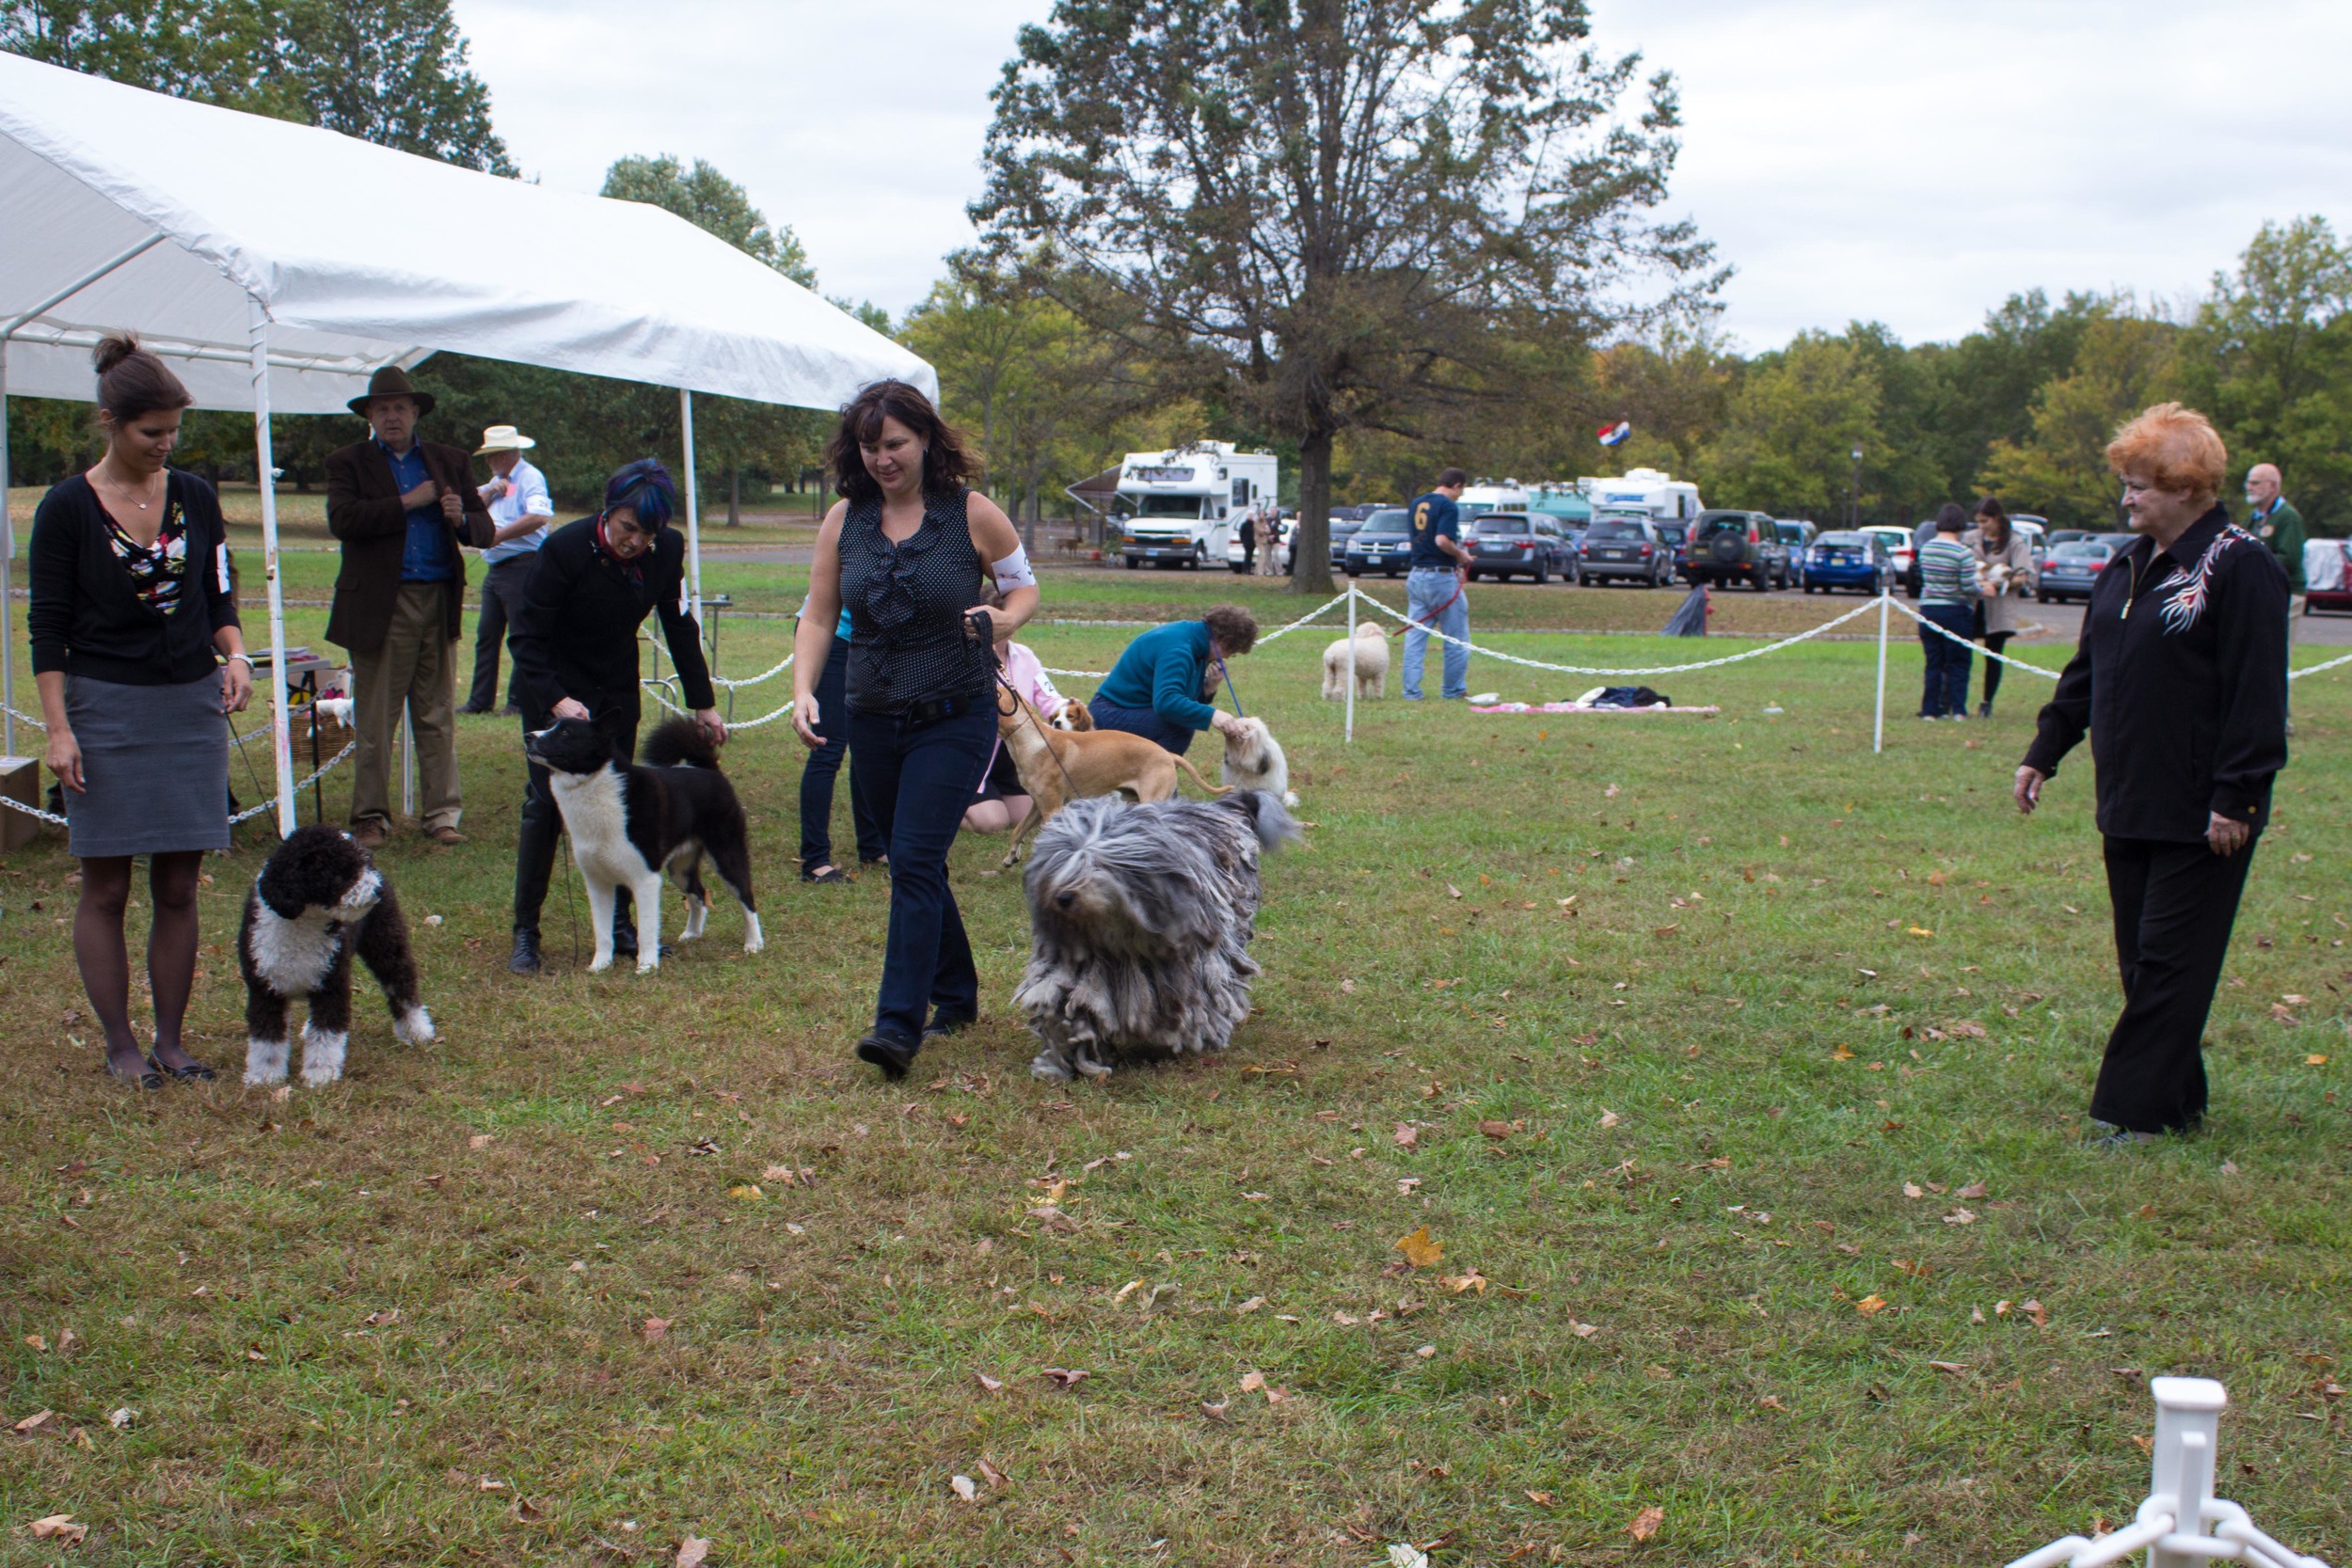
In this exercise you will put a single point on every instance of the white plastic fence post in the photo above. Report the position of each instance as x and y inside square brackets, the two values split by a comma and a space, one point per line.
[2188, 1423]
[8, 561]
[1350, 738]
[407, 763]
[265, 471]
[1878, 729]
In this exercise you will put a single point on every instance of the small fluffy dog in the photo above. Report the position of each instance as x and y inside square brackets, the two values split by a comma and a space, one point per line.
[1140, 921]
[1254, 760]
[319, 899]
[1057, 766]
[630, 824]
[1998, 578]
[1370, 661]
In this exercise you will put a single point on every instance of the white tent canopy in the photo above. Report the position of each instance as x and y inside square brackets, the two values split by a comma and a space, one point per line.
[231, 242]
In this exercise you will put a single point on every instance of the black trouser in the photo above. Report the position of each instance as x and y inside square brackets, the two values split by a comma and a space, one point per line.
[534, 843]
[2174, 903]
[817, 773]
[1946, 689]
[502, 588]
[1994, 642]
[917, 782]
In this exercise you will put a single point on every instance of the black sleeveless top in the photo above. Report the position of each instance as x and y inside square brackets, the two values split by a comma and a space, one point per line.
[907, 603]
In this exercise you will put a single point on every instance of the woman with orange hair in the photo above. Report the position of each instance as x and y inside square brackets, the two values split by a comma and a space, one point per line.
[2180, 680]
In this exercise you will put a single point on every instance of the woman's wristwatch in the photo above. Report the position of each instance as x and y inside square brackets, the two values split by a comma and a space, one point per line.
[246, 660]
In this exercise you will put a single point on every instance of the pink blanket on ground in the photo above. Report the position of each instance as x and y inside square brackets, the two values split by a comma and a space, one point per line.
[1576, 707]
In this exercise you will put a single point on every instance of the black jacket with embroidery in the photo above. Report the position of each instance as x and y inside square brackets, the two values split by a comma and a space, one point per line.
[2181, 680]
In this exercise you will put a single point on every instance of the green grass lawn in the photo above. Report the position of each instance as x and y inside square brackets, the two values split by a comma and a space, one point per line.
[1655, 1026]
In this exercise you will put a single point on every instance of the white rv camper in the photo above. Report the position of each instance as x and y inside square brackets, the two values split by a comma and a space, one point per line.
[1178, 507]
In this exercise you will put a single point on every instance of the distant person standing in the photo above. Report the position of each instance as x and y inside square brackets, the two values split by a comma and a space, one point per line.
[402, 507]
[2005, 574]
[521, 510]
[1434, 586]
[1249, 540]
[1948, 600]
[1270, 542]
[2274, 521]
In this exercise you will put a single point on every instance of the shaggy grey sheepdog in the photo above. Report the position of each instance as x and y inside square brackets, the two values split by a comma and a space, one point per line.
[1139, 920]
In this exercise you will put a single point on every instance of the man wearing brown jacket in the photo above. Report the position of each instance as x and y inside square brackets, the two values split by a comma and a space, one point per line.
[402, 507]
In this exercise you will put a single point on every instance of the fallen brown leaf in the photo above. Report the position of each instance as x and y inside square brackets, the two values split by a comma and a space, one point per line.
[1418, 1249]
[655, 1328]
[1647, 1522]
[1870, 1305]
[1064, 1377]
[61, 1528]
[691, 1551]
[965, 1489]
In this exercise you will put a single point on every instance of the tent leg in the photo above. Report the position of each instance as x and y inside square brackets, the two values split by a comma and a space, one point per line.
[8, 564]
[1878, 728]
[408, 765]
[694, 512]
[266, 470]
[1350, 735]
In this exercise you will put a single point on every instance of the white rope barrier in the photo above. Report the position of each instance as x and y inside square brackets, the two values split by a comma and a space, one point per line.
[2315, 668]
[1863, 608]
[24, 718]
[15, 804]
[1950, 635]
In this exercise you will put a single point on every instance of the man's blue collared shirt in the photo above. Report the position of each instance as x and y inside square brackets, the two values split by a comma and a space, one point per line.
[425, 557]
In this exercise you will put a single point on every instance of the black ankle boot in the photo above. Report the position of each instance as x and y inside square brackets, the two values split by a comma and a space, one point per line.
[894, 1056]
[624, 938]
[526, 957]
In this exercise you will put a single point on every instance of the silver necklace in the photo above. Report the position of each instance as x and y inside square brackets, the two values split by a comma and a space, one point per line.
[121, 490]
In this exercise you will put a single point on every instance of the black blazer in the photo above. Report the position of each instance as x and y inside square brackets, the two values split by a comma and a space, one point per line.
[2180, 681]
[574, 634]
[87, 619]
[363, 511]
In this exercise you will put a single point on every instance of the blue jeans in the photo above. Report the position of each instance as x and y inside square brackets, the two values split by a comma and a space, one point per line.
[1144, 721]
[1425, 588]
[816, 775]
[1946, 688]
[916, 784]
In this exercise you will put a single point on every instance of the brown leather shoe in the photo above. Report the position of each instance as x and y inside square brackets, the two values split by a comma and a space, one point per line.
[370, 835]
[445, 835]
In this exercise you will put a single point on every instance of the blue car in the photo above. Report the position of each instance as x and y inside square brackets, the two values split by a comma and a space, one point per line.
[1841, 559]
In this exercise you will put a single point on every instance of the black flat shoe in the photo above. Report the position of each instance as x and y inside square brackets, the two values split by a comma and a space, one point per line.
[943, 1025]
[525, 958]
[830, 874]
[194, 1072]
[893, 1056]
[151, 1080]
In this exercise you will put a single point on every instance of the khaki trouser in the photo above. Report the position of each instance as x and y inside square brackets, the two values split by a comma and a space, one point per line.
[418, 663]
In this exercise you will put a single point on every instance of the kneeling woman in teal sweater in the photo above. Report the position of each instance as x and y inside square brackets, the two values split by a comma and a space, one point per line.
[1161, 685]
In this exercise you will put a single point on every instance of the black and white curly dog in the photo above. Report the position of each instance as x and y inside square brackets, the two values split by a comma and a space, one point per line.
[318, 900]
[629, 824]
[1140, 918]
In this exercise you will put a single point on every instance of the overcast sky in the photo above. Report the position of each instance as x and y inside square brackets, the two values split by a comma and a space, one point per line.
[1907, 161]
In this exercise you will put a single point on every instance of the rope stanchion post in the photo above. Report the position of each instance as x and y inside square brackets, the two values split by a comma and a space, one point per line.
[1878, 728]
[1348, 735]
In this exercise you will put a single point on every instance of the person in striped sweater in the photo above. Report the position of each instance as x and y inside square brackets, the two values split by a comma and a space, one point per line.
[1948, 600]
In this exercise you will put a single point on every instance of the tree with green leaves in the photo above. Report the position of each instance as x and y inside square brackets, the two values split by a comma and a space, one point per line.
[1334, 213]
[711, 201]
[1790, 428]
[2123, 360]
[390, 71]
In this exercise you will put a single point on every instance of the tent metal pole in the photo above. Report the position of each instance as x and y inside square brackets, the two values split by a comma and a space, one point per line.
[8, 564]
[7, 530]
[694, 512]
[266, 470]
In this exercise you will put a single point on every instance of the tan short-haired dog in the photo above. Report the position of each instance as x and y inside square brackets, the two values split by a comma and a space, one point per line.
[1057, 766]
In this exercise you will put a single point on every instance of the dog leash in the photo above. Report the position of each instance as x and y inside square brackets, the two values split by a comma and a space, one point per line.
[1038, 724]
[1432, 620]
[1232, 691]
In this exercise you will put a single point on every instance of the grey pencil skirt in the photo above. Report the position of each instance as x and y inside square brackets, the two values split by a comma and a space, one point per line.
[155, 760]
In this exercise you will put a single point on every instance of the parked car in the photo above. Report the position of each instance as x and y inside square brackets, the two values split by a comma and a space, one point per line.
[2057, 536]
[1848, 559]
[2037, 531]
[1736, 546]
[1624, 548]
[1796, 541]
[1505, 544]
[1383, 543]
[1285, 530]
[1674, 534]
[1900, 554]
[1345, 520]
[2070, 571]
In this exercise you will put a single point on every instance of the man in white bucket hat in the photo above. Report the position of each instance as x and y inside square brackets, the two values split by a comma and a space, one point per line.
[522, 509]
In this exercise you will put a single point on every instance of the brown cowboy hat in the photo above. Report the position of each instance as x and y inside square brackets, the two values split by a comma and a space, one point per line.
[390, 382]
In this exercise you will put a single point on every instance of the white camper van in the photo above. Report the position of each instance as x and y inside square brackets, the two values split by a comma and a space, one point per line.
[1487, 496]
[1660, 497]
[1179, 507]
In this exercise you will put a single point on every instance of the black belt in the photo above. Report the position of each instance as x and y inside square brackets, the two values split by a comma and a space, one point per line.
[931, 710]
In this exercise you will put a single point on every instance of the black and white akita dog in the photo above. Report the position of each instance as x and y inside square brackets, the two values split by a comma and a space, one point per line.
[629, 824]
[318, 900]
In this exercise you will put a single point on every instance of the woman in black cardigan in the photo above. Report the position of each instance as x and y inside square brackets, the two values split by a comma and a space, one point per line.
[592, 585]
[2181, 682]
[130, 606]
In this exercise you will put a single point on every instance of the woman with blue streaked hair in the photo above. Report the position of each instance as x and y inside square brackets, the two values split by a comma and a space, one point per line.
[575, 643]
